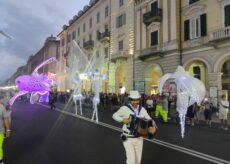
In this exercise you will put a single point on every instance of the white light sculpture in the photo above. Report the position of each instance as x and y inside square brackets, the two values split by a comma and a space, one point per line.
[189, 91]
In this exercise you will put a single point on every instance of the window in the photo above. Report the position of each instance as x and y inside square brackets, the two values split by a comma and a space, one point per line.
[120, 45]
[106, 11]
[98, 17]
[192, 1]
[90, 36]
[63, 42]
[73, 34]
[106, 52]
[78, 31]
[154, 8]
[90, 22]
[227, 15]
[83, 40]
[121, 20]
[84, 27]
[154, 38]
[121, 3]
[106, 28]
[68, 38]
[195, 27]
[196, 72]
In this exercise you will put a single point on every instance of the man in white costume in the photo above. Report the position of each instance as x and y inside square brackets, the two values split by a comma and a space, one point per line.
[133, 143]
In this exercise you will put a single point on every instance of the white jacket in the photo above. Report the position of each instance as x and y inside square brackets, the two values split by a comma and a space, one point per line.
[224, 105]
[125, 112]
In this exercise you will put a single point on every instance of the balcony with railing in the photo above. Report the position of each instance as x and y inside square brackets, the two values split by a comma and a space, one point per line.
[119, 55]
[103, 36]
[149, 52]
[152, 16]
[88, 45]
[220, 34]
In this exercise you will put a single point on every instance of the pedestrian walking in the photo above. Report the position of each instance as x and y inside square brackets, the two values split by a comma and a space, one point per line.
[208, 111]
[132, 139]
[162, 108]
[191, 114]
[4, 126]
[149, 105]
[223, 112]
[52, 100]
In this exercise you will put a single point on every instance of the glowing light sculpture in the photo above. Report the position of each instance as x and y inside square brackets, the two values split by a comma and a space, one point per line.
[96, 65]
[78, 64]
[189, 91]
[35, 83]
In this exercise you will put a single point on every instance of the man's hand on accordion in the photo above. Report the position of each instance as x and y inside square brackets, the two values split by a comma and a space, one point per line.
[126, 120]
[152, 130]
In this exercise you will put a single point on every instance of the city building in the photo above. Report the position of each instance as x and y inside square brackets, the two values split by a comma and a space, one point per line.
[90, 30]
[122, 46]
[187, 33]
[142, 40]
[157, 42]
[49, 49]
[205, 43]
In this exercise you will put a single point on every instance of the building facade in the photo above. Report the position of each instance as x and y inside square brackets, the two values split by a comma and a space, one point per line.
[206, 43]
[90, 29]
[142, 40]
[49, 49]
[187, 33]
[122, 41]
[157, 42]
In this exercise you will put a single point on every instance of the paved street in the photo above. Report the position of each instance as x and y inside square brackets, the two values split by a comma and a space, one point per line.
[44, 136]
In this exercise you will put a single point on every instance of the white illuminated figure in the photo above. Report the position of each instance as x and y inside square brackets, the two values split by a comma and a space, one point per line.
[78, 63]
[96, 65]
[189, 91]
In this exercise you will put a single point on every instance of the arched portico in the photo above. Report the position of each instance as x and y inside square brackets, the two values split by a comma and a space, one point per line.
[120, 77]
[152, 74]
[222, 69]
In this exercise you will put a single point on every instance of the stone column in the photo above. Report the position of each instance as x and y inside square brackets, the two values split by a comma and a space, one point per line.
[215, 80]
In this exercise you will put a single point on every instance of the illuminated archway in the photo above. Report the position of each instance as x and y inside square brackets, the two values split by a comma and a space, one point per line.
[119, 77]
[152, 75]
[222, 67]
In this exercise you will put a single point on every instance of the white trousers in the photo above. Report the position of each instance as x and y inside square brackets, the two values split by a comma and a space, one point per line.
[133, 149]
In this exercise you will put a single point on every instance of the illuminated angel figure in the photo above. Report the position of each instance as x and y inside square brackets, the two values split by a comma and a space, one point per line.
[78, 64]
[35, 83]
[189, 91]
[82, 67]
[95, 69]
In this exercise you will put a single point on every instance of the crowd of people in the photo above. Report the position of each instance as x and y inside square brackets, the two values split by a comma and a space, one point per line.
[161, 107]
[157, 106]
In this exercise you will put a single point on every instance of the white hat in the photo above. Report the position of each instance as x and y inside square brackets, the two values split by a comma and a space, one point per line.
[134, 95]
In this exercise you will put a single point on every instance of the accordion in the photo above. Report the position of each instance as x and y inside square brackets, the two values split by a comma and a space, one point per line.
[139, 126]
